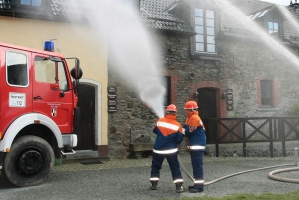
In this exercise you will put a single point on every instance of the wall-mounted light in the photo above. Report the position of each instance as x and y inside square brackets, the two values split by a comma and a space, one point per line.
[195, 95]
[191, 76]
[229, 99]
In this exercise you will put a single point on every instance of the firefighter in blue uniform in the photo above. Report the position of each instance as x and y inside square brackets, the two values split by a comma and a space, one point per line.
[196, 142]
[169, 136]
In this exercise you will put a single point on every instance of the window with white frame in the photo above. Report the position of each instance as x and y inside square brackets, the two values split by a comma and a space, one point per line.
[48, 71]
[205, 31]
[273, 28]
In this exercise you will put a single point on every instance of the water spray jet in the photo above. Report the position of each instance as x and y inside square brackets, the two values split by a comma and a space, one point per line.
[133, 56]
[256, 31]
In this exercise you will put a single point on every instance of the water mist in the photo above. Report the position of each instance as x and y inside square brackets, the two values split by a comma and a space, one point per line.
[255, 30]
[132, 54]
[135, 59]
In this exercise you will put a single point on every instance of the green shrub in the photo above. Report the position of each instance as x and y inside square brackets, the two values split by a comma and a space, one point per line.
[294, 110]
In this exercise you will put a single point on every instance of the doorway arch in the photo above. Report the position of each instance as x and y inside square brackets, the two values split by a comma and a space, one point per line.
[207, 108]
[210, 102]
[94, 88]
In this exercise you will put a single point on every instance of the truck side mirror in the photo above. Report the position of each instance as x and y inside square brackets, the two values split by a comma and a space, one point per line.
[76, 73]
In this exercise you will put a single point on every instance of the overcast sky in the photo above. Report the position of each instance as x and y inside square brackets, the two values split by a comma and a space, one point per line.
[281, 2]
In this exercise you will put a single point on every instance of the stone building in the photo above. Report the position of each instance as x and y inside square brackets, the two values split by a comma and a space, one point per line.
[236, 58]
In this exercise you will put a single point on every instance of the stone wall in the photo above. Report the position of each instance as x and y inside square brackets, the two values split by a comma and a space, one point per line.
[245, 64]
[252, 150]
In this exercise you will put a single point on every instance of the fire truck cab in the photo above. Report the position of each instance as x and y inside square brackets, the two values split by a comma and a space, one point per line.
[38, 111]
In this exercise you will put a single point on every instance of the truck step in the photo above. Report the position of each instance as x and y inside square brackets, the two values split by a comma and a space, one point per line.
[68, 153]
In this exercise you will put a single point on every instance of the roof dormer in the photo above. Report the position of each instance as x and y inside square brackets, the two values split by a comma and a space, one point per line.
[271, 19]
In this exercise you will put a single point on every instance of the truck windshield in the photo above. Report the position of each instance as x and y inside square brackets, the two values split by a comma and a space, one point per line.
[49, 71]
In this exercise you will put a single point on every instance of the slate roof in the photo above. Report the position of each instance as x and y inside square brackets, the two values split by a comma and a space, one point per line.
[154, 14]
[157, 14]
[259, 14]
[229, 26]
[291, 27]
[151, 12]
[250, 6]
[65, 7]
[232, 25]
[256, 9]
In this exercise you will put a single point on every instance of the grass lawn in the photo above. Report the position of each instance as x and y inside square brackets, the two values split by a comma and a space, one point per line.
[268, 196]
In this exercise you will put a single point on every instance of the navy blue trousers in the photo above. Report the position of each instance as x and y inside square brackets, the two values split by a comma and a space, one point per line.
[173, 162]
[197, 165]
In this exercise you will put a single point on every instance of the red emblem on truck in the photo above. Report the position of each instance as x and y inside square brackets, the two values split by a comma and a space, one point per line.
[54, 112]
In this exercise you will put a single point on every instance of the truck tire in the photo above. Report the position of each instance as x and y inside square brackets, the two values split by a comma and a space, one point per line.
[29, 162]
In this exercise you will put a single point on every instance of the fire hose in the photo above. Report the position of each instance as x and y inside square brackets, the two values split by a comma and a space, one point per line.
[246, 171]
[270, 175]
[290, 180]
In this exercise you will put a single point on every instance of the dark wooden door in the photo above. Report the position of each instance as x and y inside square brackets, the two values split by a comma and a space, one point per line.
[206, 100]
[85, 129]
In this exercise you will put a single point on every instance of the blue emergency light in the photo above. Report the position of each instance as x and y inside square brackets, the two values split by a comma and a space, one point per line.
[49, 46]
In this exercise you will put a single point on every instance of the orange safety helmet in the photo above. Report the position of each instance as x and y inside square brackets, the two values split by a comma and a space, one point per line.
[171, 107]
[191, 105]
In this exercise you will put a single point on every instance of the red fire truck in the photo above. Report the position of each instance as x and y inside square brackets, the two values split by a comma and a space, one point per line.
[38, 111]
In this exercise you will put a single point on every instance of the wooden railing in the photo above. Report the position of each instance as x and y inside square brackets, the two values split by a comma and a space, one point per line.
[252, 130]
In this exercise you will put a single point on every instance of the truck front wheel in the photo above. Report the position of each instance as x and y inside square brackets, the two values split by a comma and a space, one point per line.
[29, 162]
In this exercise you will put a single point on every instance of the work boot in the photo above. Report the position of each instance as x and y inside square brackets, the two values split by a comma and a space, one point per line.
[179, 188]
[154, 185]
[192, 189]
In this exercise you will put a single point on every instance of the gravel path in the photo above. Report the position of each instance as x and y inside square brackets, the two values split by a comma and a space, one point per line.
[129, 179]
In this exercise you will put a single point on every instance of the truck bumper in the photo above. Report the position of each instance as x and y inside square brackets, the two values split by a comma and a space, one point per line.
[70, 140]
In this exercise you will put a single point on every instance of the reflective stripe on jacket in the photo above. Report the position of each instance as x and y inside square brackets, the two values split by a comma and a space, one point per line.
[169, 134]
[195, 132]
[170, 151]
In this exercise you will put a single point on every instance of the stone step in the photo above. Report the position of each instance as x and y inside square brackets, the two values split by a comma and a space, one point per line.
[84, 156]
[87, 160]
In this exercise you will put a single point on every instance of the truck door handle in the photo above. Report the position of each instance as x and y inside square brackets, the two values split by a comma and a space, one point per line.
[37, 98]
[54, 87]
